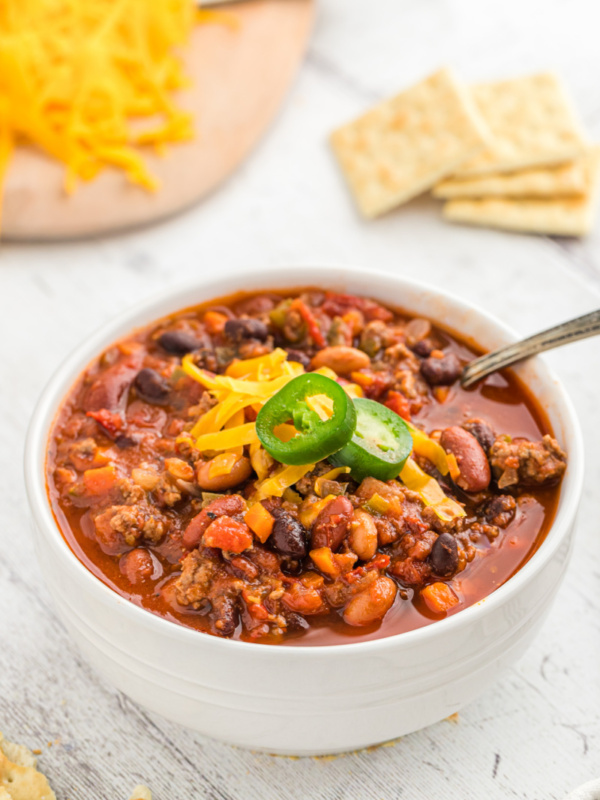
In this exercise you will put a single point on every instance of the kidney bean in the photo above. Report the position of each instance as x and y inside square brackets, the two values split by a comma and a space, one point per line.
[137, 565]
[246, 328]
[217, 483]
[225, 615]
[110, 388]
[289, 536]
[481, 431]
[444, 555]
[342, 360]
[152, 387]
[441, 371]
[363, 535]
[178, 342]
[230, 505]
[331, 525]
[472, 462]
[372, 603]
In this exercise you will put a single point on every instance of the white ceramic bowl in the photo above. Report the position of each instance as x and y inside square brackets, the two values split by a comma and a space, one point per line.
[312, 700]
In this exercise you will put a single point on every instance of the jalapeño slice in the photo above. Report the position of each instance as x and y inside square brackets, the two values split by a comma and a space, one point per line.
[380, 445]
[316, 438]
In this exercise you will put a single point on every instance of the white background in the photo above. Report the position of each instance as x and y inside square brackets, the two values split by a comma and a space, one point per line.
[537, 733]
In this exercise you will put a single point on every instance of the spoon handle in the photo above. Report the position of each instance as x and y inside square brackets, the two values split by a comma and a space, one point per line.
[565, 333]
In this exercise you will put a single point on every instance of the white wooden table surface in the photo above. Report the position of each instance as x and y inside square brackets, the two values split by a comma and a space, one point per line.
[537, 733]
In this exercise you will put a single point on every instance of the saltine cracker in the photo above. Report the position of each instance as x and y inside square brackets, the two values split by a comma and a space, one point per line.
[563, 181]
[532, 123]
[405, 145]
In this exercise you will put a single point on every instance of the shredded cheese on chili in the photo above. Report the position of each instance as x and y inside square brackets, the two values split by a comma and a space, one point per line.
[88, 81]
[250, 383]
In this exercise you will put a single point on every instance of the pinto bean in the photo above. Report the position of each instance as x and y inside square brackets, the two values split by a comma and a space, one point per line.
[152, 387]
[289, 536]
[331, 526]
[230, 505]
[481, 431]
[372, 603]
[342, 360]
[475, 474]
[179, 343]
[363, 535]
[255, 305]
[217, 483]
[444, 555]
[417, 330]
[441, 371]
[246, 328]
[137, 565]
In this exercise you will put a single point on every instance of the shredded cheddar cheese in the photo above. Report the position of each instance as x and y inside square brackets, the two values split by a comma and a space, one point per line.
[90, 81]
[248, 383]
[222, 431]
[430, 492]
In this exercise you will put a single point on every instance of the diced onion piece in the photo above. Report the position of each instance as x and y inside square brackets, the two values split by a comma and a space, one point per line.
[378, 504]
[329, 476]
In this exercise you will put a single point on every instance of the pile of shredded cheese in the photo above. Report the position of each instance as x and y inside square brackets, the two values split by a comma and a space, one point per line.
[89, 81]
[250, 383]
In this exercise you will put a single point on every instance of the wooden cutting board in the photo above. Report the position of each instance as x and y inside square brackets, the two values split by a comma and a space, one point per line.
[240, 78]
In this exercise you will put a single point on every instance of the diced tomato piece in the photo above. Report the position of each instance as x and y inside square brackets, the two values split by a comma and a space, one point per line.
[111, 421]
[399, 404]
[374, 383]
[228, 534]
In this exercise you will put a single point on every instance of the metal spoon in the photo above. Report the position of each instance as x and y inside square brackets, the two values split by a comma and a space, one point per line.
[567, 332]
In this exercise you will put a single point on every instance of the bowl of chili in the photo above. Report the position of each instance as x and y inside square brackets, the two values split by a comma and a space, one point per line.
[333, 566]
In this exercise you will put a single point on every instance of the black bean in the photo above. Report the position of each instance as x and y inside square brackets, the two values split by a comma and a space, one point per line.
[289, 536]
[291, 566]
[296, 622]
[152, 387]
[178, 342]
[441, 371]
[481, 431]
[123, 441]
[444, 555]
[247, 328]
[501, 510]
[299, 356]
[423, 348]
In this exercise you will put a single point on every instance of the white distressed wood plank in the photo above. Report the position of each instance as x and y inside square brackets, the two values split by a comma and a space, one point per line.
[537, 733]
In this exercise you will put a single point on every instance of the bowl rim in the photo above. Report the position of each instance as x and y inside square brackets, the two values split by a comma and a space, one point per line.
[140, 314]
